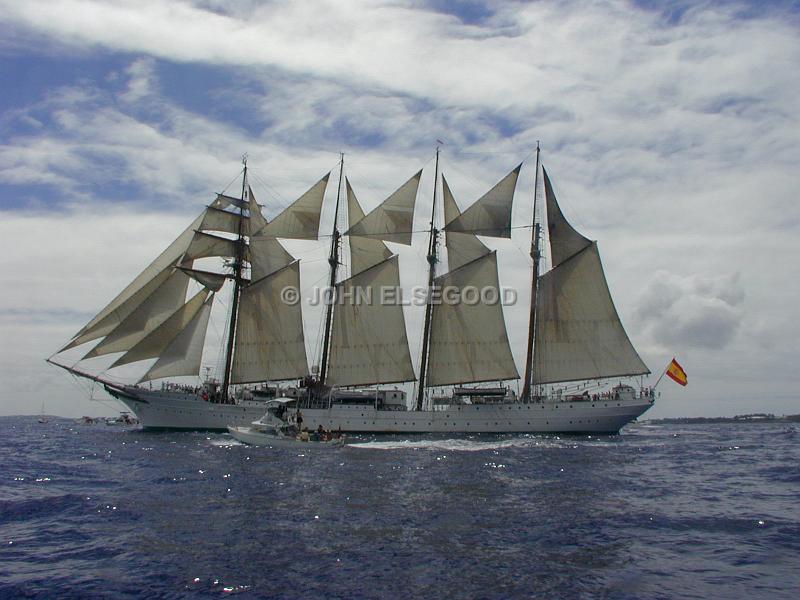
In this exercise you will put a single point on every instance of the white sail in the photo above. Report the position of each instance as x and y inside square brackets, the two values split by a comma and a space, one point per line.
[565, 241]
[461, 247]
[269, 340]
[156, 342]
[257, 220]
[468, 338]
[578, 332]
[129, 298]
[393, 219]
[184, 353]
[300, 220]
[223, 201]
[209, 279]
[204, 245]
[153, 311]
[491, 214]
[267, 255]
[364, 251]
[369, 343]
[222, 220]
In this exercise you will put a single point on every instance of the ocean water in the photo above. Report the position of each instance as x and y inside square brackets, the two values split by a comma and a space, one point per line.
[695, 511]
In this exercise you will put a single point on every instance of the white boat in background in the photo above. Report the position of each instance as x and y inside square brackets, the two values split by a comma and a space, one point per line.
[577, 349]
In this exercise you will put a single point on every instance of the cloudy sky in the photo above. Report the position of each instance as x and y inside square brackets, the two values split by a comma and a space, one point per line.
[670, 130]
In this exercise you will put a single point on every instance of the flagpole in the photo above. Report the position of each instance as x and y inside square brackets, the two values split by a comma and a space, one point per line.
[664, 372]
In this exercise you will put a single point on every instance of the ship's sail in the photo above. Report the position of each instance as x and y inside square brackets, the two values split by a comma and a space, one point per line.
[154, 310]
[209, 279]
[468, 338]
[269, 340]
[157, 341]
[138, 290]
[364, 251]
[461, 247]
[369, 343]
[490, 215]
[204, 245]
[392, 220]
[184, 352]
[578, 332]
[300, 220]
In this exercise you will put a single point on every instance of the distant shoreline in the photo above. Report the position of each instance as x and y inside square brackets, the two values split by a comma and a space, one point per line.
[752, 418]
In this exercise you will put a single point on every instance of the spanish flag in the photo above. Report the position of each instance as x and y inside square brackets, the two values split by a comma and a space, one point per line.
[676, 373]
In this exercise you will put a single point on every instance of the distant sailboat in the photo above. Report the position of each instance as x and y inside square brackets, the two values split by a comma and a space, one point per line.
[42, 417]
[575, 338]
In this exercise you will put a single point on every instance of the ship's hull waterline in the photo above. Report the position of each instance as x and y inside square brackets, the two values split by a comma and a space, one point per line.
[172, 410]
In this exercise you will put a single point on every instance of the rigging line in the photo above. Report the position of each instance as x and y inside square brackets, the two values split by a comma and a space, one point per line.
[275, 194]
[370, 235]
[230, 183]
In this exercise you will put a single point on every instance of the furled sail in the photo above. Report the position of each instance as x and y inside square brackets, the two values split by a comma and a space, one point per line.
[156, 342]
[461, 247]
[136, 291]
[491, 214]
[364, 251]
[468, 339]
[578, 331]
[300, 220]
[269, 340]
[393, 219]
[369, 343]
[184, 353]
[154, 310]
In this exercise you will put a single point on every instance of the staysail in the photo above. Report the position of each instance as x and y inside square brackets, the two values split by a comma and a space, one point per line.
[138, 290]
[183, 354]
[578, 331]
[461, 247]
[490, 215]
[364, 251]
[393, 219]
[154, 310]
[157, 341]
[300, 220]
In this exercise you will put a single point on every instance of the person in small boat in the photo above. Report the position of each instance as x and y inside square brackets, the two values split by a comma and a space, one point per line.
[298, 417]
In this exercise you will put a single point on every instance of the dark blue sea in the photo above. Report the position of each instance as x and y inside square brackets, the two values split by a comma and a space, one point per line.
[692, 511]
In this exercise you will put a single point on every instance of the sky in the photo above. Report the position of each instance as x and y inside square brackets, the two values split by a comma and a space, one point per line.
[670, 131]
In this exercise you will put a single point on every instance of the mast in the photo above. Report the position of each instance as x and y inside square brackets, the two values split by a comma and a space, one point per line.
[237, 286]
[432, 245]
[333, 261]
[535, 255]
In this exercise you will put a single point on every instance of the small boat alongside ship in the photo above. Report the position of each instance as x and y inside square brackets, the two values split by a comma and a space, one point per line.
[279, 427]
[577, 353]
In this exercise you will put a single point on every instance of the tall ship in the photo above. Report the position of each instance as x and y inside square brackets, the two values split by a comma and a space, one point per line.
[576, 357]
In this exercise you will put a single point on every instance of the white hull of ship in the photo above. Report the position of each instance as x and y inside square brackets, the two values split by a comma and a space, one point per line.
[544, 417]
[175, 410]
[171, 410]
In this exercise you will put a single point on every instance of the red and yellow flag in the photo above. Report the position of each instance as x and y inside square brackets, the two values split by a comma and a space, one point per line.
[676, 373]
